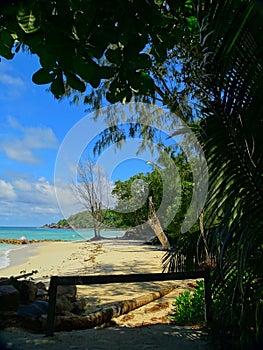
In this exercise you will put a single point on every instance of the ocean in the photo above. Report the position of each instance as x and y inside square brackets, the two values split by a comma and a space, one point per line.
[37, 233]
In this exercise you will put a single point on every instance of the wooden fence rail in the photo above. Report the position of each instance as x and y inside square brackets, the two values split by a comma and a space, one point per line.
[109, 279]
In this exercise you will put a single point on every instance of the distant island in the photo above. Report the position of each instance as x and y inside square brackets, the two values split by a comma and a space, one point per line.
[61, 224]
[83, 220]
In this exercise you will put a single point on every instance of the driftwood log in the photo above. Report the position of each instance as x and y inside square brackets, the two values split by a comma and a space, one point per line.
[68, 323]
[9, 280]
[157, 228]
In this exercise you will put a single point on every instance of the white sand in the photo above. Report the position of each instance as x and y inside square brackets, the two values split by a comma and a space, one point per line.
[86, 258]
[71, 258]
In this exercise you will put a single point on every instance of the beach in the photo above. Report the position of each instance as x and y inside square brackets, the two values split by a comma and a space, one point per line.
[83, 258]
[111, 256]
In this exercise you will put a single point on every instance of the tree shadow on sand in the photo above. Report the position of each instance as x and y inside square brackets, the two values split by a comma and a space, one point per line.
[146, 337]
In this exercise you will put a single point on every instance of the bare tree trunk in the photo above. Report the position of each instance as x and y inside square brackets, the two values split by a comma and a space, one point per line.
[98, 228]
[67, 323]
[156, 226]
[94, 191]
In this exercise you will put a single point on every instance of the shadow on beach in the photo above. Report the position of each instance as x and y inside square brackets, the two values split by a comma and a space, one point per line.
[122, 338]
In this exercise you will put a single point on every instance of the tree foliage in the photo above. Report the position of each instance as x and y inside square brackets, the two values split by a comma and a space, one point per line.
[85, 42]
[171, 198]
[122, 48]
[84, 220]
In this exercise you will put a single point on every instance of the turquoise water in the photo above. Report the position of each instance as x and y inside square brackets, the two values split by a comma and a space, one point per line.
[37, 233]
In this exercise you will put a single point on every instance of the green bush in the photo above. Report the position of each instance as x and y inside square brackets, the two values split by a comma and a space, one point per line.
[189, 309]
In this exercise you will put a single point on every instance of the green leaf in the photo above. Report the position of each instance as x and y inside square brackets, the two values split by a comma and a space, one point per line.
[114, 56]
[43, 76]
[118, 93]
[143, 61]
[192, 23]
[75, 82]
[47, 60]
[57, 87]
[88, 70]
[6, 44]
[27, 21]
[107, 72]
[147, 84]
[135, 81]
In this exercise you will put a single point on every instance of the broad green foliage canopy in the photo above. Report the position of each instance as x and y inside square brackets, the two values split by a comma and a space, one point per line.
[84, 42]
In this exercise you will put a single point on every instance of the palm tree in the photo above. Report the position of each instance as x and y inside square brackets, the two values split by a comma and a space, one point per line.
[230, 73]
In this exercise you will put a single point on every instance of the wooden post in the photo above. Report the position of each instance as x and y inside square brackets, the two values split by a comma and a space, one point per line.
[51, 306]
[208, 298]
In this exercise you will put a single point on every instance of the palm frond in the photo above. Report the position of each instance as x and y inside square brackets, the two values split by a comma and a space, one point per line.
[232, 123]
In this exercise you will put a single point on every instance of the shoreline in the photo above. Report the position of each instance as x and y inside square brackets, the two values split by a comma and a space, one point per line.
[20, 254]
[9, 258]
[81, 257]
[13, 256]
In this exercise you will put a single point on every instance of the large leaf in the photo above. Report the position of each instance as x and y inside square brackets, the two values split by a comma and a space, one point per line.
[75, 82]
[43, 76]
[114, 56]
[87, 70]
[6, 44]
[27, 21]
[57, 87]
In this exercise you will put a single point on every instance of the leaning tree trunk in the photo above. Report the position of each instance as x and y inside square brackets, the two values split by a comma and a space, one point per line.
[68, 323]
[156, 226]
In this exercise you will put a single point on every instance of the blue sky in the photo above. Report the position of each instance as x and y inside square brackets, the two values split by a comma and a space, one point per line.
[33, 124]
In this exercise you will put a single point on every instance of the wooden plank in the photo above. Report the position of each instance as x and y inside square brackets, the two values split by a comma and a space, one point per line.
[108, 279]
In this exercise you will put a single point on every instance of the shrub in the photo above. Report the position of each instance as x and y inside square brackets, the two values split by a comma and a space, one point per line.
[189, 309]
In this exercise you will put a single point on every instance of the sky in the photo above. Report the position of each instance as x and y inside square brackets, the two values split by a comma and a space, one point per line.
[36, 130]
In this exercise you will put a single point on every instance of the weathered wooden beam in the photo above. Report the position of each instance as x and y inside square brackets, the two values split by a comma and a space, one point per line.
[108, 279]
[69, 323]
[25, 275]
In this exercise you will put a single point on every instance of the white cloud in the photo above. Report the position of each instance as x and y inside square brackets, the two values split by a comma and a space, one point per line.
[7, 190]
[17, 150]
[22, 185]
[24, 198]
[25, 140]
[12, 85]
[12, 81]
[14, 123]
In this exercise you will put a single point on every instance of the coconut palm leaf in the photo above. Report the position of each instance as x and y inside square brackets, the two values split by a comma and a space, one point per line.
[232, 75]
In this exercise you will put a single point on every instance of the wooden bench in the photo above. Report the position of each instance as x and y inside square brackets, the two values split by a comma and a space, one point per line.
[109, 279]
